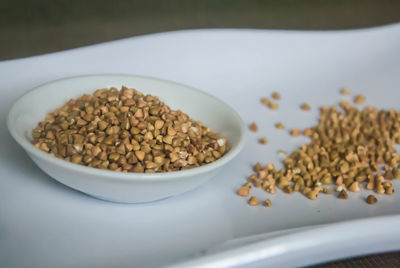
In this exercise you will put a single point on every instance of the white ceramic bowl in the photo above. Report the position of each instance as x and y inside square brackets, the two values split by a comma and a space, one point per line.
[116, 186]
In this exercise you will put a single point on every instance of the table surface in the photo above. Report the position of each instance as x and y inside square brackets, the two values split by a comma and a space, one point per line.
[42, 26]
[37, 27]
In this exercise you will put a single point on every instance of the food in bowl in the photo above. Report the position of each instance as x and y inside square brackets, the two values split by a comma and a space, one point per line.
[125, 130]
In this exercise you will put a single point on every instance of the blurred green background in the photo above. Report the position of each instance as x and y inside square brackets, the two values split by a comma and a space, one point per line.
[31, 27]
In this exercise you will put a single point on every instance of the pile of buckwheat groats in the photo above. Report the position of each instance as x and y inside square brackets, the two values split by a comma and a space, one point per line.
[127, 131]
[350, 149]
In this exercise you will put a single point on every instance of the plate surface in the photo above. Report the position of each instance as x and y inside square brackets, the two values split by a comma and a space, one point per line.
[43, 223]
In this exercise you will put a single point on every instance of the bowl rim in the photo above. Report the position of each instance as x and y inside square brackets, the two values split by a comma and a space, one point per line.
[31, 149]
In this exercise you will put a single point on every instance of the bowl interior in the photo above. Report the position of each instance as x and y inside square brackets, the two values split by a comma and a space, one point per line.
[34, 105]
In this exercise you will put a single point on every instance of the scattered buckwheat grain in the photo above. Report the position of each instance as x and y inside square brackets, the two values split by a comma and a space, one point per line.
[359, 99]
[276, 96]
[305, 107]
[345, 91]
[279, 125]
[371, 199]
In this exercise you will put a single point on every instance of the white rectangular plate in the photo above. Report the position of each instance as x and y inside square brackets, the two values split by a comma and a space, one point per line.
[46, 224]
